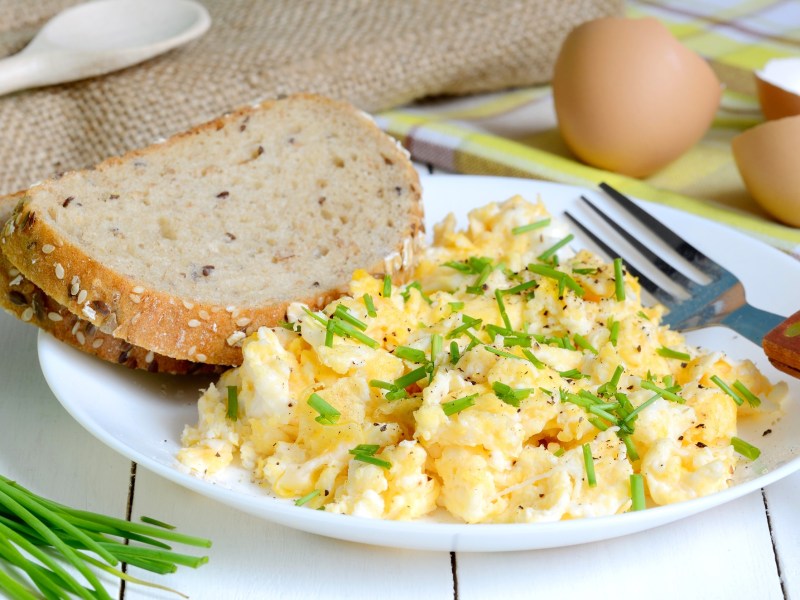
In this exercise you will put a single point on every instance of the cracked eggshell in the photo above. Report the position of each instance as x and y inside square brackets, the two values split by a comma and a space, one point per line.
[629, 97]
[766, 156]
[778, 86]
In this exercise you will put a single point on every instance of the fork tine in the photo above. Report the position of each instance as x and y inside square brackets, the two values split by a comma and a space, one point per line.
[651, 256]
[673, 240]
[655, 290]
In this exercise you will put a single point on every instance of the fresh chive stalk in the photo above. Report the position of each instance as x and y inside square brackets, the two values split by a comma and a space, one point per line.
[550, 252]
[613, 332]
[588, 462]
[387, 286]
[619, 280]
[41, 538]
[637, 492]
[233, 403]
[745, 393]
[745, 449]
[366, 453]
[531, 226]
[459, 404]
[369, 303]
[328, 415]
[727, 389]
[670, 353]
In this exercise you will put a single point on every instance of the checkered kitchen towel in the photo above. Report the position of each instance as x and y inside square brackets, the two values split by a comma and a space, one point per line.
[515, 134]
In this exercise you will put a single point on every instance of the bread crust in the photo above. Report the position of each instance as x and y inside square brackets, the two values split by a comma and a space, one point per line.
[24, 300]
[158, 321]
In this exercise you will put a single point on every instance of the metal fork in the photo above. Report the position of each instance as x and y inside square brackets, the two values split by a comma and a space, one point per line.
[721, 301]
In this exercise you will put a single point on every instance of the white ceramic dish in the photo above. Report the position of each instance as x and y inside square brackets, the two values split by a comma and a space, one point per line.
[141, 415]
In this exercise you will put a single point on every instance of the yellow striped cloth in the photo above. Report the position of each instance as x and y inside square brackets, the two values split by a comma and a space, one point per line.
[514, 133]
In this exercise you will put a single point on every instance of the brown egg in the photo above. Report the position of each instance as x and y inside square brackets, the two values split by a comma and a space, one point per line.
[629, 97]
[778, 85]
[766, 156]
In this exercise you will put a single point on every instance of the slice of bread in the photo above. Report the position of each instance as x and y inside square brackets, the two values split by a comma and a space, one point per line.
[185, 247]
[24, 300]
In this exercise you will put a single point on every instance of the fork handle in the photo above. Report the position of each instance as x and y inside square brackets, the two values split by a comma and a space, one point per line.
[753, 323]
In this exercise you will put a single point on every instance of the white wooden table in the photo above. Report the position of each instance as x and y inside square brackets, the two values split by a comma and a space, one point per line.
[747, 549]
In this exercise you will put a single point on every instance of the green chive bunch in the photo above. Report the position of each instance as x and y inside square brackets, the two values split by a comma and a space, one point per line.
[39, 538]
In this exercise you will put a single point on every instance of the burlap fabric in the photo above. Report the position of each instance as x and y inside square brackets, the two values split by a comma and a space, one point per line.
[375, 53]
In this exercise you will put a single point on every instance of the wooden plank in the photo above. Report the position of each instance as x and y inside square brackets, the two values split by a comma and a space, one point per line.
[252, 558]
[720, 554]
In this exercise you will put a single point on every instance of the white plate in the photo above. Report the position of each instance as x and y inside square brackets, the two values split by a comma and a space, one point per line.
[141, 415]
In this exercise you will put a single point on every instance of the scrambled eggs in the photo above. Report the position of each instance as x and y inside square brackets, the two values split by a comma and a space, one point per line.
[512, 381]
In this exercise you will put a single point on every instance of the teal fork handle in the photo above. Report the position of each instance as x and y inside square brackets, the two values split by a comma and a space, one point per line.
[753, 323]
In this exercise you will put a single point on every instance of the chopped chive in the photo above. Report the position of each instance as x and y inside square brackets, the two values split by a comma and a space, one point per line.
[631, 449]
[572, 374]
[305, 499]
[415, 285]
[613, 332]
[547, 254]
[467, 322]
[562, 278]
[411, 377]
[412, 354]
[619, 280]
[366, 453]
[665, 393]
[454, 354]
[642, 314]
[559, 452]
[498, 295]
[456, 306]
[330, 327]
[477, 286]
[725, 388]
[327, 414]
[344, 314]
[531, 226]
[670, 353]
[502, 353]
[318, 318]
[383, 385]
[637, 492]
[387, 286]
[517, 340]
[583, 343]
[436, 345]
[461, 267]
[600, 424]
[368, 449]
[610, 386]
[473, 341]
[456, 406]
[747, 450]
[632, 415]
[533, 360]
[584, 270]
[233, 403]
[370, 304]
[603, 414]
[588, 462]
[522, 287]
[508, 394]
[344, 328]
[745, 393]
[396, 394]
